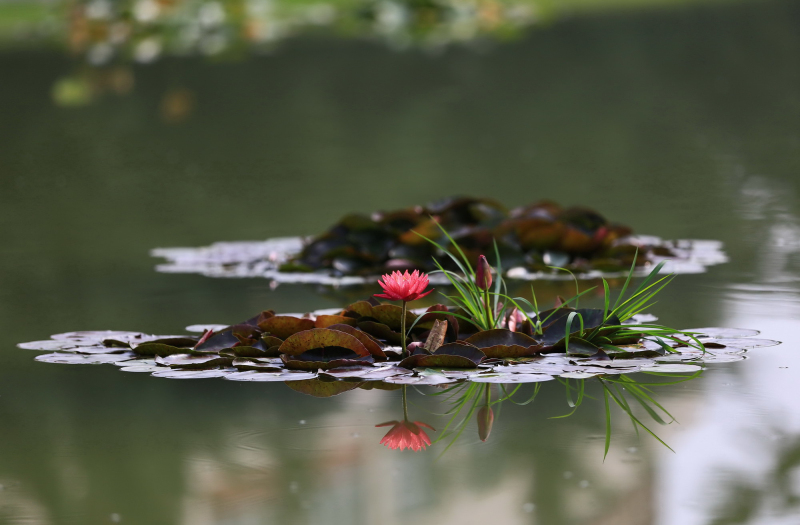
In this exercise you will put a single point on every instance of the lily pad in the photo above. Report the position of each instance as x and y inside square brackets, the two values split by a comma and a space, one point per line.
[284, 326]
[157, 349]
[454, 355]
[372, 345]
[324, 358]
[725, 333]
[256, 364]
[362, 308]
[261, 377]
[381, 331]
[218, 341]
[193, 362]
[326, 321]
[77, 359]
[501, 343]
[191, 374]
[507, 378]
[320, 338]
[391, 315]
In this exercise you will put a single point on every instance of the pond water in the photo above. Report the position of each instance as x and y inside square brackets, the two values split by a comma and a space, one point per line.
[683, 122]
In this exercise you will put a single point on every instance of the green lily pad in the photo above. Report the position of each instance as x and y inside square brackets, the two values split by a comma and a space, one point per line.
[157, 349]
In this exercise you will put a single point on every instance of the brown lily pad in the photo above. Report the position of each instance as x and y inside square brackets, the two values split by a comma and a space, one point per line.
[381, 331]
[501, 343]
[369, 342]
[283, 326]
[325, 358]
[326, 321]
[451, 355]
[362, 308]
[391, 315]
[320, 338]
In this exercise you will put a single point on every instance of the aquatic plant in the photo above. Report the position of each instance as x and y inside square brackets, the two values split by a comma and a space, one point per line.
[404, 287]
[534, 237]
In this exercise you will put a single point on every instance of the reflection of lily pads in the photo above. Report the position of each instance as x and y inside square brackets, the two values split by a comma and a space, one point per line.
[317, 388]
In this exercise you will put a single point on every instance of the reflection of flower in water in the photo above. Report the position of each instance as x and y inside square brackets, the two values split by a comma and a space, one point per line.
[406, 434]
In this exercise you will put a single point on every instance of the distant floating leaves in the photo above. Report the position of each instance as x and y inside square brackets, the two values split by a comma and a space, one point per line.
[532, 238]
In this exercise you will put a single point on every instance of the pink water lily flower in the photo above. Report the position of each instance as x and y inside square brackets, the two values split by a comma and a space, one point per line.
[404, 286]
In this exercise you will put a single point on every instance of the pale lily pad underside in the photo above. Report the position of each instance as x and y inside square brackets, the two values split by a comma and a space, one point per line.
[263, 258]
[724, 345]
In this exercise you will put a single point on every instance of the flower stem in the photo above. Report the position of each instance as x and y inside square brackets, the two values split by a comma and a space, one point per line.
[405, 404]
[489, 316]
[403, 336]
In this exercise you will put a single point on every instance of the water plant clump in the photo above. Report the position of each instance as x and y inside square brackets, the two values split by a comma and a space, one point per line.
[535, 236]
[482, 335]
[531, 240]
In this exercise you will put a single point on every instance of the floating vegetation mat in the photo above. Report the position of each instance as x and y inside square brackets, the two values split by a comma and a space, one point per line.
[326, 347]
[531, 240]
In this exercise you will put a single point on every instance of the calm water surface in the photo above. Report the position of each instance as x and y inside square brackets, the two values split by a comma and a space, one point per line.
[684, 123]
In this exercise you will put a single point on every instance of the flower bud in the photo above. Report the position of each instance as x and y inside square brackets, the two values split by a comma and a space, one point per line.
[485, 420]
[483, 275]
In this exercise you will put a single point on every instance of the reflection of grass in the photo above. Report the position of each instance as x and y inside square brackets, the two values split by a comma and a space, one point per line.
[465, 399]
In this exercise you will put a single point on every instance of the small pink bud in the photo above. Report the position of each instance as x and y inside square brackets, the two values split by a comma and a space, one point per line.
[483, 275]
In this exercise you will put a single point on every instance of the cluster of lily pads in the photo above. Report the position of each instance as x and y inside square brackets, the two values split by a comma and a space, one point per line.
[358, 345]
[531, 240]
